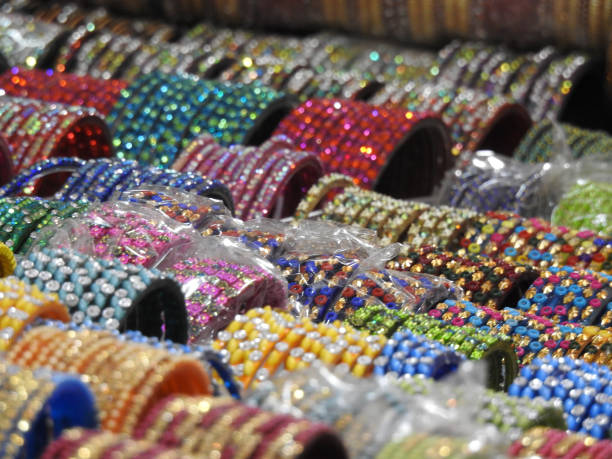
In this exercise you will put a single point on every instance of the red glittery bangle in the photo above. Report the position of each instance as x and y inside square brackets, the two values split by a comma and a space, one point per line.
[395, 151]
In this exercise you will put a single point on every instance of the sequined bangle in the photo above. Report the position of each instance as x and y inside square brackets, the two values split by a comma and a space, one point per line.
[153, 373]
[125, 297]
[63, 88]
[121, 175]
[348, 143]
[184, 121]
[318, 192]
[31, 304]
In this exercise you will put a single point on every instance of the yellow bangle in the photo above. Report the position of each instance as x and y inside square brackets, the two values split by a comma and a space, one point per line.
[7, 261]
[318, 191]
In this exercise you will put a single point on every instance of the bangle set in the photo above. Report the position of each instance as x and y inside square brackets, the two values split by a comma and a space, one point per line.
[374, 145]
[97, 180]
[267, 180]
[264, 342]
[586, 205]
[36, 131]
[36, 408]
[114, 295]
[204, 425]
[581, 389]
[127, 378]
[21, 304]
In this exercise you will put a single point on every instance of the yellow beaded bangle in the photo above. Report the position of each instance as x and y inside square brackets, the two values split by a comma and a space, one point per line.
[7, 261]
[318, 191]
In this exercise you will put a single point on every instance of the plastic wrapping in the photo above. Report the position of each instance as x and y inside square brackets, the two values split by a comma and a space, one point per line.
[220, 279]
[371, 414]
[132, 233]
[181, 206]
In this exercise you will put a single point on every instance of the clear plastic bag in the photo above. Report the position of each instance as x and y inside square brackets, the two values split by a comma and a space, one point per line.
[130, 232]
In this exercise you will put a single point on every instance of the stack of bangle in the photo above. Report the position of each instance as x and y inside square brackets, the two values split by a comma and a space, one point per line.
[172, 110]
[224, 427]
[265, 181]
[535, 242]
[64, 88]
[263, 343]
[7, 261]
[315, 281]
[20, 305]
[37, 406]
[106, 292]
[126, 377]
[39, 130]
[28, 42]
[476, 344]
[533, 336]
[320, 191]
[477, 120]
[216, 291]
[582, 389]
[97, 180]
[375, 145]
[100, 444]
[485, 281]
[569, 295]
[545, 138]
[587, 205]
[552, 443]
[6, 163]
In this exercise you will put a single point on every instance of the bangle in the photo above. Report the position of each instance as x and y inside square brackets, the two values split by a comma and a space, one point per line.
[116, 296]
[348, 147]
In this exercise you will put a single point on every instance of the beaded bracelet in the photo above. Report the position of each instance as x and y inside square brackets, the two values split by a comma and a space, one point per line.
[199, 425]
[36, 409]
[65, 88]
[346, 143]
[485, 281]
[217, 290]
[21, 304]
[582, 389]
[153, 373]
[109, 293]
[99, 444]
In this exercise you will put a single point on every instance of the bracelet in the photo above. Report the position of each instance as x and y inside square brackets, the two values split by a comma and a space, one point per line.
[348, 148]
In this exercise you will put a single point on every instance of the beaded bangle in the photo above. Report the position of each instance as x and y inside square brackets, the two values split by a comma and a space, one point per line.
[371, 155]
[122, 297]
[568, 295]
[154, 374]
[30, 305]
[7, 261]
[580, 388]
[542, 441]
[319, 191]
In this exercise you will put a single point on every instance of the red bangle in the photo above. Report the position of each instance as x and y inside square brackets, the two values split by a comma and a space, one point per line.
[395, 151]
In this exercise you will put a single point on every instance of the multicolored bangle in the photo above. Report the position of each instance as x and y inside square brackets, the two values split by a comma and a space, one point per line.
[371, 143]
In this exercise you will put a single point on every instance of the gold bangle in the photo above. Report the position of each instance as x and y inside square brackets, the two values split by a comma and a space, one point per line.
[7, 261]
[318, 191]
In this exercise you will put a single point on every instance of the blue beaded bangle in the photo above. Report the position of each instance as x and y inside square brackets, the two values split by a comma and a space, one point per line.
[109, 293]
